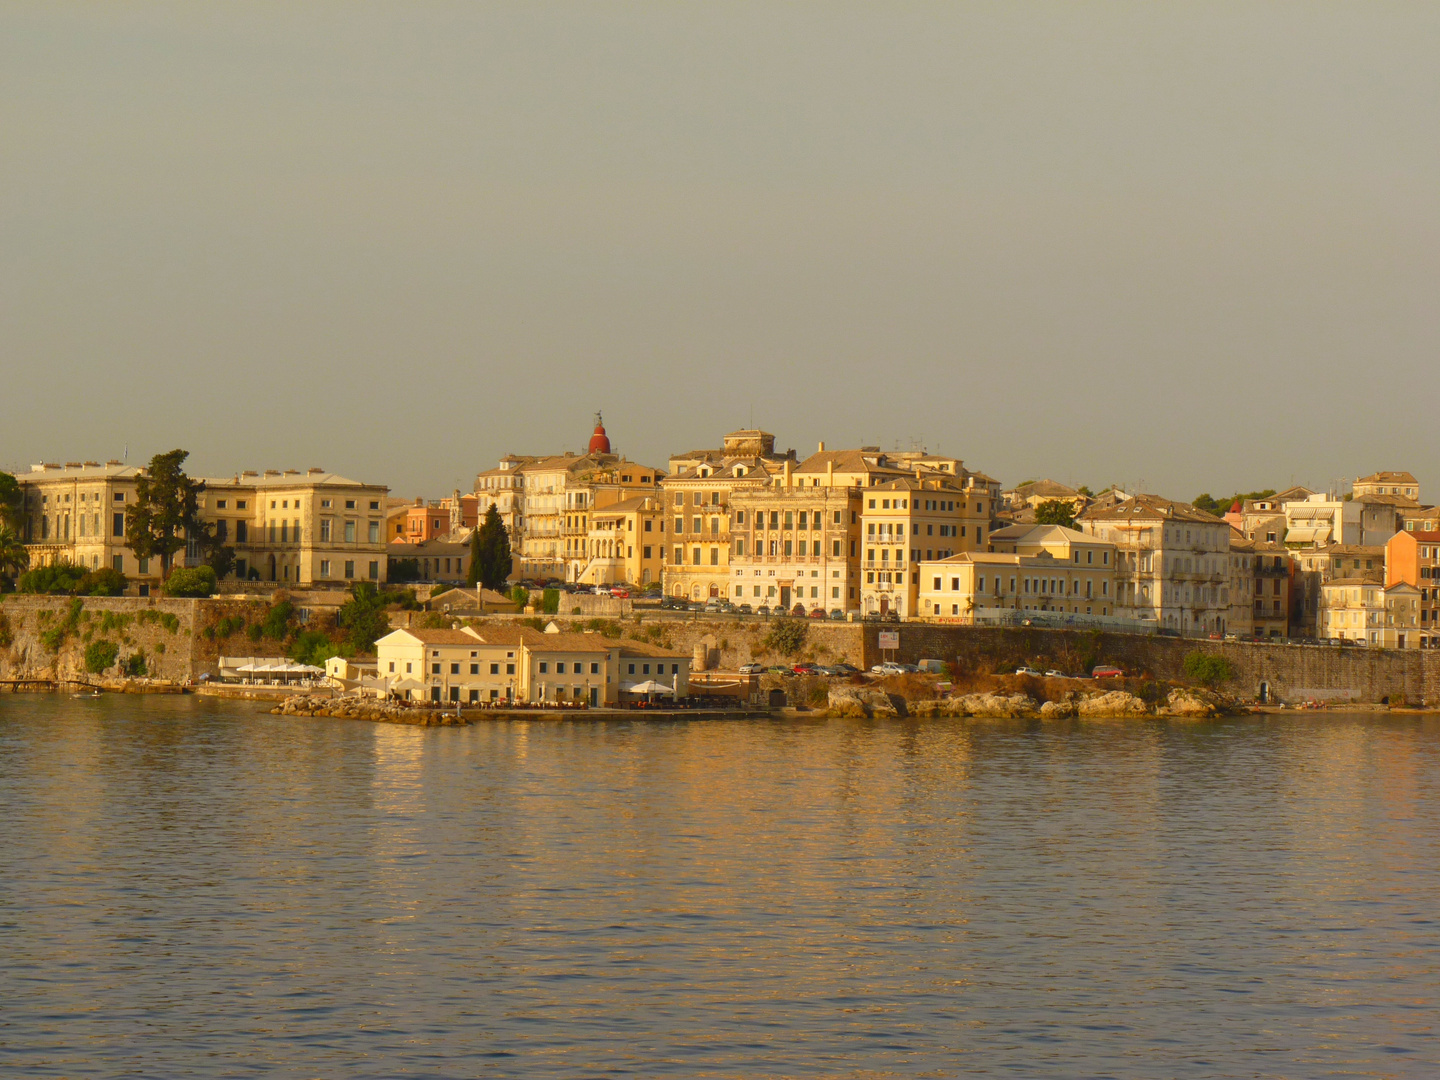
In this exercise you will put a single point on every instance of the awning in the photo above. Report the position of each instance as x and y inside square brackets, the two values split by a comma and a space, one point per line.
[649, 687]
[1308, 534]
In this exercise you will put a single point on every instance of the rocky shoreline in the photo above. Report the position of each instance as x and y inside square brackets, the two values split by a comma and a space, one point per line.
[1187, 703]
[375, 711]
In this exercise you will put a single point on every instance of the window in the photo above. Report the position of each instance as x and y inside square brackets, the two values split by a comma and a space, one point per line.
[435, 669]
[544, 667]
[349, 568]
[349, 532]
[117, 525]
[117, 562]
[374, 570]
[695, 557]
[349, 504]
[454, 669]
[374, 504]
[374, 531]
[560, 668]
[324, 567]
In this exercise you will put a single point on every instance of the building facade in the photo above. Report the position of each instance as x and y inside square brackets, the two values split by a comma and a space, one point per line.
[1172, 563]
[1413, 558]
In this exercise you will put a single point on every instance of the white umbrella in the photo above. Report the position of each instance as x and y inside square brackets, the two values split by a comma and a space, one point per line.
[650, 687]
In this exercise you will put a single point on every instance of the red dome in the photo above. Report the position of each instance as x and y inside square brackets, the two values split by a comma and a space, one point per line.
[599, 441]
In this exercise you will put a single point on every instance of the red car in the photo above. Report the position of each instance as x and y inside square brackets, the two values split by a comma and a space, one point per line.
[805, 669]
[817, 613]
[623, 594]
[1105, 671]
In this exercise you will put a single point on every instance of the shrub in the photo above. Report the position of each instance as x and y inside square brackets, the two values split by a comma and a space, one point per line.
[169, 621]
[229, 626]
[135, 666]
[191, 581]
[114, 620]
[436, 620]
[314, 647]
[102, 582]
[1208, 669]
[99, 655]
[521, 596]
[5, 635]
[276, 624]
[59, 578]
[550, 601]
[255, 633]
[55, 636]
[787, 636]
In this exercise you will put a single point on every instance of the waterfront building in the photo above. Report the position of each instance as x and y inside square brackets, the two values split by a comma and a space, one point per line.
[968, 587]
[1402, 484]
[697, 497]
[1314, 567]
[795, 546]
[910, 519]
[1370, 612]
[1320, 521]
[496, 663]
[562, 491]
[435, 560]
[76, 513]
[304, 529]
[1413, 558]
[626, 543]
[1172, 562]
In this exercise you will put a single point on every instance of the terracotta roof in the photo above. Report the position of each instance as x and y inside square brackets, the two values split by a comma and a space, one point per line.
[866, 461]
[1046, 489]
[438, 637]
[1151, 508]
[1387, 478]
[929, 482]
[640, 648]
[1389, 500]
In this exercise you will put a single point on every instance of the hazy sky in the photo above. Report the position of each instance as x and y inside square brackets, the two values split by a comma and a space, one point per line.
[1195, 246]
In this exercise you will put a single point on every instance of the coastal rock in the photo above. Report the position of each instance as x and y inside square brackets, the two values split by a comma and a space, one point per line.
[1116, 703]
[1057, 710]
[1192, 703]
[995, 706]
[858, 701]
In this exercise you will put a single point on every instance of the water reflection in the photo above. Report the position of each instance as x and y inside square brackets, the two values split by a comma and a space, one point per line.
[191, 888]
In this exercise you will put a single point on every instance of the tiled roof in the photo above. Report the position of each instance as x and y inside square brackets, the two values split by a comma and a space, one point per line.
[1387, 478]
[1151, 508]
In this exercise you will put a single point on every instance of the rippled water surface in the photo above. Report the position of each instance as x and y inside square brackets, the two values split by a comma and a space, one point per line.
[193, 888]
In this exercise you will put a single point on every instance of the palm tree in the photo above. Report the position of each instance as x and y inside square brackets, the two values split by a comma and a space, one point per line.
[14, 556]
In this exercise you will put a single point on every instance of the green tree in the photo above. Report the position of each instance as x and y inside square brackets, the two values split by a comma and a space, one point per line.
[191, 581]
[1055, 512]
[363, 617]
[102, 582]
[490, 552]
[58, 578]
[1208, 669]
[521, 596]
[14, 556]
[314, 647]
[12, 502]
[1084, 489]
[220, 558]
[166, 513]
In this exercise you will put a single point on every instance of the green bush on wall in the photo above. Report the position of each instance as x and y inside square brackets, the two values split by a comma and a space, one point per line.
[100, 655]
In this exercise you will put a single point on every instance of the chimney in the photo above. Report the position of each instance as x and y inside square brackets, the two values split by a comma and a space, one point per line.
[822, 447]
[315, 469]
[787, 476]
[113, 461]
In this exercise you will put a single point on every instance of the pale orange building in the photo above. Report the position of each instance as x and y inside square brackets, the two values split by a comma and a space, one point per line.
[1413, 558]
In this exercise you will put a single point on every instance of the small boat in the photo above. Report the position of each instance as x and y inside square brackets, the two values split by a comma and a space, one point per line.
[91, 694]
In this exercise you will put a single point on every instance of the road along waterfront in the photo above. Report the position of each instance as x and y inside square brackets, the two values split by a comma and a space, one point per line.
[196, 887]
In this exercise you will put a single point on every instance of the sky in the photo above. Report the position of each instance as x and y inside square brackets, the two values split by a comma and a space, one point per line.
[1181, 248]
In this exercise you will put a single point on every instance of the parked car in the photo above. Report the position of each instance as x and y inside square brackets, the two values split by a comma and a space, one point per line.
[806, 669]
[934, 667]
[846, 669]
[778, 669]
[798, 609]
[713, 608]
[1054, 674]
[744, 609]
[763, 609]
[751, 669]
[1106, 671]
[623, 594]
[837, 615]
[889, 667]
[1027, 670]
[817, 613]
[890, 616]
